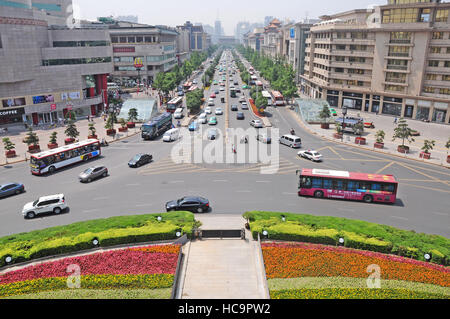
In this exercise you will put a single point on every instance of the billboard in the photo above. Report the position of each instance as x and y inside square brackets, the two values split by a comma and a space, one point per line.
[13, 102]
[43, 99]
[292, 32]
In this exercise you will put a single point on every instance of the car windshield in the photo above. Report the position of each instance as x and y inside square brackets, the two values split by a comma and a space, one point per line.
[35, 202]
[136, 158]
[88, 171]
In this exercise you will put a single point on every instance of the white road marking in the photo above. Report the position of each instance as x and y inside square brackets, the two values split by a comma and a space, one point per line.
[144, 205]
[441, 214]
[243, 191]
[130, 185]
[285, 193]
[263, 181]
[401, 218]
[220, 181]
[176, 182]
[100, 198]
[346, 210]
[91, 210]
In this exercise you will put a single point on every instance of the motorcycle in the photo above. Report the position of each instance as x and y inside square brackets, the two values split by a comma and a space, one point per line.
[292, 132]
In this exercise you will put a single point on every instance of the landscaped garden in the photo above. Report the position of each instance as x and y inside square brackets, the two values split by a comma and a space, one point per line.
[337, 258]
[144, 272]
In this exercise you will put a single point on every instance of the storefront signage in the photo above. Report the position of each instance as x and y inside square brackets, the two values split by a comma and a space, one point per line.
[292, 33]
[124, 49]
[43, 99]
[13, 102]
[53, 107]
[70, 96]
[12, 113]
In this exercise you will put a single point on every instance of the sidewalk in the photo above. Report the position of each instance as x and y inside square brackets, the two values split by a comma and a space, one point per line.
[430, 131]
[17, 135]
[223, 269]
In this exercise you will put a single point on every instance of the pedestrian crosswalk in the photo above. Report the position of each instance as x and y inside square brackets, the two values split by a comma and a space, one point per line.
[167, 166]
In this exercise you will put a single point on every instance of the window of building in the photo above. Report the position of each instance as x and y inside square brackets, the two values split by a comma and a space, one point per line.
[438, 35]
[401, 37]
[393, 64]
[424, 15]
[423, 113]
[392, 109]
[358, 47]
[395, 77]
[442, 15]
[356, 71]
[435, 50]
[444, 91]
[439, 116]
[1, 45]
[428, 89]
[114, 39]
[431, 77]
[393, 88]
[340, 47]
[359, 35]
[399, 51]
[123, 39]
[446, 78]
[139, 39]
[356, 59]
[339, 70]
[447, 64]
[433, 63]
[341, 35]
[403, 15]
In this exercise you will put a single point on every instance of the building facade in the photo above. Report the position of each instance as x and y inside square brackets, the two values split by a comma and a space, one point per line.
[273, 39]
[393, 59]
[47, 67]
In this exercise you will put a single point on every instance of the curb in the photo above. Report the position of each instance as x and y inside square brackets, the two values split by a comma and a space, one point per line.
[305, 126]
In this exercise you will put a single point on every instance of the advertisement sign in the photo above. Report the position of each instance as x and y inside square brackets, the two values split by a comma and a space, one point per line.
[43, 99]
[13, 102]
[124, 49]
[292, 33]
[138, 63]
[348, 103]
[70, 96]
[12, 113]
[53, 107]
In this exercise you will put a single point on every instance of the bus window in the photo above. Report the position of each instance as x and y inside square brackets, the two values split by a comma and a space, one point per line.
[306, 182]
[376, 187]
[327, 184]
[317, 183]
[388, 188]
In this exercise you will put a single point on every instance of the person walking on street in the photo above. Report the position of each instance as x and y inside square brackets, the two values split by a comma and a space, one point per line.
[395, 120]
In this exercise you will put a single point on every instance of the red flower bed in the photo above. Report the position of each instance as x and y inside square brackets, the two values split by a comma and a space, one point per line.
[255, 109]
[118, 262]
[306, 260]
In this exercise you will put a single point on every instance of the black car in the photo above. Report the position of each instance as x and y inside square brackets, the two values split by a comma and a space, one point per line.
[190, 204]
[234, 108]
[139, 160]
[240, 116]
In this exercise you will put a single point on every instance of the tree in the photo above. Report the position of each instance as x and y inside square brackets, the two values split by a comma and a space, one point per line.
[92, 129]
[7, 144]
[123, 123]
[110, 121]
[71, 130]
[325, 114]
[428, 146]
[158, 83]
[403, 132]
[194, 100]
[380, 135]
[358, 128]
[132, 115]
[338, 127]
[71, 116]
[261, 101]
[53, 138]
[31, 138]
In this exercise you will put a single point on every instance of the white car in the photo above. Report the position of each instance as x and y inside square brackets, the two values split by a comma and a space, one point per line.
[256, 124]
[244, 106]
[219, 111]
[48, 204]
[311, 155]
[222, 89]
[210, 103]
[208, 110]
[242, 99]
[203, 118]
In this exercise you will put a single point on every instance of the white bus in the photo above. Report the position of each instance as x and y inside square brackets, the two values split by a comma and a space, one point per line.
[52, 160]
[267, 95]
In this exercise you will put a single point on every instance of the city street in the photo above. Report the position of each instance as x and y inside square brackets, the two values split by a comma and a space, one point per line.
[422, 204]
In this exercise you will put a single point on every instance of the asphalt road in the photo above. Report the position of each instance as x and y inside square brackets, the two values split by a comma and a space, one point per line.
[423, 196]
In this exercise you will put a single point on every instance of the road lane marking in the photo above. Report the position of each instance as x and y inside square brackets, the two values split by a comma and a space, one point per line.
[144, 205]
[100, 198]
[346, 210]
[385, 167]
[401, 218]
[220, 181]
[285, 193]
[418, 172]
[176, 182]
[243, 191]
[263, 181]
[131, 185]
[91, 210]
[441, 214]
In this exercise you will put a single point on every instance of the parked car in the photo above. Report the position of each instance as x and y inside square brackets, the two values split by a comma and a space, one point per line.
[240, 116]
[263, 138]
[48, 204]
[213, 121]
[140, 159]
[213, 96]
[311, 155]
[216, 92]
[11, 189]
[213, 134]
[180, 93]
[256, 123]
[93, 173]
[210, 103]
[242, 99]
[191, 204]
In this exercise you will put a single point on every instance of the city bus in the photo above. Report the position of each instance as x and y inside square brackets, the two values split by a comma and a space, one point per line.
[187, 86]
[157, 126]
[369, 188]
[52, 160]
[278, 98]
[267, 95]
[233, 92]
[193, 88]
[174, 104]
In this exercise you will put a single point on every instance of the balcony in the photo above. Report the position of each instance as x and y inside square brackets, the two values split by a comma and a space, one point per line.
[347, 76]
[354, 41]
[352, 65]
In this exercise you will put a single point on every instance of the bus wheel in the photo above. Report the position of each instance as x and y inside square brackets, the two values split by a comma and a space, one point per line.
[52, 169]
[368, 199]
[318, 194]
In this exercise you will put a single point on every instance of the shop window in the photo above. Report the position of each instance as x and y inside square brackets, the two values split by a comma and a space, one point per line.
[409, 111]
[392, 109]
[439, 116]
[423, 113]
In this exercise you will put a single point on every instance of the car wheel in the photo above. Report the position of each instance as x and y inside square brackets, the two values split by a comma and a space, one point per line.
[89, 180]
[368, 199]
[318, 194]
[57, 211]
[31, 215]
[199, 210]
[105, 174]
[138, 165]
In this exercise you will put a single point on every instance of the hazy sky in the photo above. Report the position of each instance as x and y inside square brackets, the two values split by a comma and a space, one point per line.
[230, 12]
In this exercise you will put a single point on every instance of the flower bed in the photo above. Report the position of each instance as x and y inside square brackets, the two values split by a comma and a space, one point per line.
[149, 268]
[306, 260]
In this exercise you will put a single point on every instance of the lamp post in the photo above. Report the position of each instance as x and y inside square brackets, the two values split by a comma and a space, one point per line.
[344, 113]
[138, 64]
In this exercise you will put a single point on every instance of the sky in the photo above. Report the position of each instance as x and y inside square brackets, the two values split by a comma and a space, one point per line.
[229, 12]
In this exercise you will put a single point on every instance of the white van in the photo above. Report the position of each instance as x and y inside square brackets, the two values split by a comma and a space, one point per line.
[291, 141]
[178, 114]
[172, 135]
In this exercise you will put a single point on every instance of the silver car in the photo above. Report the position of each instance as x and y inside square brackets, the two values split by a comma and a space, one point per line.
[93, 173]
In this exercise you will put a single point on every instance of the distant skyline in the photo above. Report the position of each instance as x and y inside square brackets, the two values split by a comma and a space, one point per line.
[176, 12]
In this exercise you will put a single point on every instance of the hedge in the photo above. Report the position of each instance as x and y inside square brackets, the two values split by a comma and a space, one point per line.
[79, 236]
[357, 234]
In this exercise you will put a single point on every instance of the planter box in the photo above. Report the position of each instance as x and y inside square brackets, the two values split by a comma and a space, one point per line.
[403, 149]
[69, 141]
[123, 129]
[92, 137]
[52, 145]
[425, 155]
[110, 132]
[131, 125]
[337, 136]
[34, 149]
[10, 154]
[325, 126]
[360, 141]
[379, 145]
[448, 159]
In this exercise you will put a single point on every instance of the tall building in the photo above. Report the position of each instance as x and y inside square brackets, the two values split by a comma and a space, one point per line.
[273, 39]
[49, 65]
[393, 59]
[193, 38]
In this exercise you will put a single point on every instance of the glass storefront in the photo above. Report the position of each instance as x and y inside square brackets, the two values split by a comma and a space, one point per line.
[423, 113]
[439, 116]
[409, 111]
[333, 100]
[392, 109]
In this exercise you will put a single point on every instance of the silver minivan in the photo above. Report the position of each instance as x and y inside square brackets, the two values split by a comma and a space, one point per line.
[291, 141]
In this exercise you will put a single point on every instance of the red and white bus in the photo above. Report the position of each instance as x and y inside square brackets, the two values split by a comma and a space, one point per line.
[52, 160]
[278, 98]
[193, 88]
[369, 188]
[187, 86]
[174, 104]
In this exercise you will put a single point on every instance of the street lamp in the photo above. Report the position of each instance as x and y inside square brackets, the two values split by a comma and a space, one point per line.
[428, 257]
[138, 64]
[344, 113]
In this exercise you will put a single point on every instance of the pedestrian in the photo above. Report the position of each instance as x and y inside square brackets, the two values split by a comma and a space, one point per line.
[395, 120]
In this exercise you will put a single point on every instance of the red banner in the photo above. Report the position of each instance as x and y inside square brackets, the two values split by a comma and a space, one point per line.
[123, 49]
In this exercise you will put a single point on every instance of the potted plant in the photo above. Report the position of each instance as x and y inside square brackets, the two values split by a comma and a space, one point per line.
[357, 130]
[427, 147]
[71, 132]
[32, 140]
[324, 115]
[110, 131]
[132, 118]
[402, 131]
[124, 127]
[52, 143]
[447, 146]
[9, 147]
[380, 135]
[92, 131]
[339, 132]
